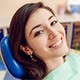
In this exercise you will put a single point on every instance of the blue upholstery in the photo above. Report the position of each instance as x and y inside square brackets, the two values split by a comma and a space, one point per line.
[12, 65]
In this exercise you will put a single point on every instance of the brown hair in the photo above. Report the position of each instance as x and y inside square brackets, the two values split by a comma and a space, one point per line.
[36, 70]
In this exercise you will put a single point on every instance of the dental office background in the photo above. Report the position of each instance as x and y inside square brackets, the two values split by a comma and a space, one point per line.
[67, 12]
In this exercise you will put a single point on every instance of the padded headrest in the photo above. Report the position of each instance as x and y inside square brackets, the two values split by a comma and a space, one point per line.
[12, 65]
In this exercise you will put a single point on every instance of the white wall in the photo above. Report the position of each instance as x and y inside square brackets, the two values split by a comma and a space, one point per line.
[8, 7]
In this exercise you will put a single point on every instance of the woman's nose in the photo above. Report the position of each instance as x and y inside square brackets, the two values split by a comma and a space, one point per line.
[52, 34]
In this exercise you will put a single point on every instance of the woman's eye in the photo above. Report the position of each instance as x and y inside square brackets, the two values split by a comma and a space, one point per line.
[53, 23]
[38, 33]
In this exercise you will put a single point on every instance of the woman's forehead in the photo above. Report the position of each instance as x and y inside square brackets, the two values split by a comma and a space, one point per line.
[40, 12]
[38, 16]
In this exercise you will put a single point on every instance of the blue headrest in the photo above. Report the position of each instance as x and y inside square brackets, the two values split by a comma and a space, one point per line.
[12, 65]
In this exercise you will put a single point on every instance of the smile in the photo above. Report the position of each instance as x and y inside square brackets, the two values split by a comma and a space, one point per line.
[57, 44]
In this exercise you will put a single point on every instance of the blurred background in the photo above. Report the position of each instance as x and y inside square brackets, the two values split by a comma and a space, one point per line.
[67, 12]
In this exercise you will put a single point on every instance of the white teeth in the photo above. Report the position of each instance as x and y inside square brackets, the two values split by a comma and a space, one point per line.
[58, 43]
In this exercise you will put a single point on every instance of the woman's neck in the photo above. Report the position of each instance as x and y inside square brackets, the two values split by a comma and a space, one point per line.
[54, 63]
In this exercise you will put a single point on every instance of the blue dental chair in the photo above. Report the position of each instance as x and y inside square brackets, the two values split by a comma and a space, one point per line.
[13, 66]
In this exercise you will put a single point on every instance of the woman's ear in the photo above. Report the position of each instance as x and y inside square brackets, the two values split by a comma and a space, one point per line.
[26, 49]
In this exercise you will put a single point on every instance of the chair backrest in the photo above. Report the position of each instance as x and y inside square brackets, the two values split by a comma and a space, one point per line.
[13, 66]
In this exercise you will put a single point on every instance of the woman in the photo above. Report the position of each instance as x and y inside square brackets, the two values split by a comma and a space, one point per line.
[38, 42]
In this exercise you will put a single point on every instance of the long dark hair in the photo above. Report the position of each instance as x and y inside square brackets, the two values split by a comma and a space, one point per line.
[36, 70]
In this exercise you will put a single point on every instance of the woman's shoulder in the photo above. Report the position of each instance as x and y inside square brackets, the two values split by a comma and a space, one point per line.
[73, 54]
[73, 58]
[75, 51]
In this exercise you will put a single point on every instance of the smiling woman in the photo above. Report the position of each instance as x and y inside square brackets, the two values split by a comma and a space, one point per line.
[36, 24]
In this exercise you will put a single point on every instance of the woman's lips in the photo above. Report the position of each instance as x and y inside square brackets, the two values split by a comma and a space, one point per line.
[56, 44]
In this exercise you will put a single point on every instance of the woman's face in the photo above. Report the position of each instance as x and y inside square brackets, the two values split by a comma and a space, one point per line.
[45, 35]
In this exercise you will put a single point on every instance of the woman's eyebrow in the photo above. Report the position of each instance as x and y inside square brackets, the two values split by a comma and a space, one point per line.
[34, 28]
[50, 17]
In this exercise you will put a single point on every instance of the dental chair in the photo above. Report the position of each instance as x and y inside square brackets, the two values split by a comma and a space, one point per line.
[13, 66]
